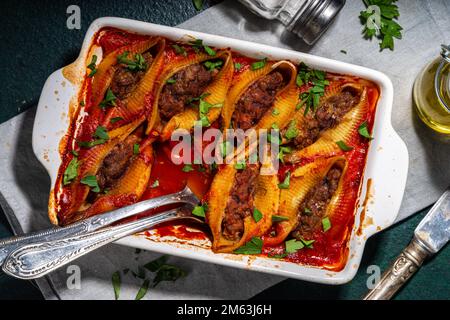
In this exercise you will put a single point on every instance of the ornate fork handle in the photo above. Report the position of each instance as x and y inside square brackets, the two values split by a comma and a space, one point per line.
[403, 268]
[94, 223]
[36, 260]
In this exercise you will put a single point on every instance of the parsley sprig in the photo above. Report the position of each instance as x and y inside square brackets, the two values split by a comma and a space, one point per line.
[383, 25]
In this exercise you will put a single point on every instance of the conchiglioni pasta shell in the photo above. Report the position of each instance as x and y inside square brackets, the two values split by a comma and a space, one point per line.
[302, 180]
[128, 190]
[108, 66]
[89, 164]
[284, 101]
[265, 200]
[345, 131]
[217, 89]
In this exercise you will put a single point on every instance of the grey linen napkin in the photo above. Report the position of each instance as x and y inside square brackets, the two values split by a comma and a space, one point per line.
[24, 183]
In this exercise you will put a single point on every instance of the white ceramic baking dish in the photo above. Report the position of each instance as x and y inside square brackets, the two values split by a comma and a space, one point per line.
[384, 176]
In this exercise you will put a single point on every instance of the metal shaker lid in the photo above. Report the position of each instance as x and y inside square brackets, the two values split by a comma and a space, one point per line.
[312, 21]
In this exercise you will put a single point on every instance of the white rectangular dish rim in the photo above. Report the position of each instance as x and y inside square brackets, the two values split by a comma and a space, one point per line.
[386, 167]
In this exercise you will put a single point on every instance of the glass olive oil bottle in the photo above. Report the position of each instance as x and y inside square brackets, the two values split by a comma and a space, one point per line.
[432, 93]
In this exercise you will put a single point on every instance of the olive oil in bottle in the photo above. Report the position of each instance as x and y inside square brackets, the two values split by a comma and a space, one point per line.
[432, 93]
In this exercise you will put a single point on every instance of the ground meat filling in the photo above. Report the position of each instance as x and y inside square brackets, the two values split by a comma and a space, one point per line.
[188, 83]
[256, 100]
[312, 210]
[116, 163]
[328, 115]
[240, 202]
[125, 81]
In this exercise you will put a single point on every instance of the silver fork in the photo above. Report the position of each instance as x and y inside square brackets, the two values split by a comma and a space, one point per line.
[35, 255]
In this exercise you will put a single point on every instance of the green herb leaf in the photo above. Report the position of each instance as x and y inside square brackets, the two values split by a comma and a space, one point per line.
[308, 243]
[168, 272]
[187, 168]
[155, 184]
[92, 66]
[277, 256]
[258, 64]
[101, 133]
[277, 218]
[282, 151]
[286, 182]
[156, 264]
[212, 65]
[90, 144]
[326, 224]
[293, 245]
[116, 282]
[138, 64]
[257, 215]
[237, 66]
[136, 148]
[75, 153]
[240, 166]
[91, 181]
[171, 81]
[200, 211]
[254, 246]
[209, 51]
[143, 290]
[109, 100]
[179, 50]
[343, 51]
[275, 112]
[364, 131]
[116, 119]
[307, 211]
[292, 131]
[198, 4]
[384, 27]
[71, 171]
[343, 146]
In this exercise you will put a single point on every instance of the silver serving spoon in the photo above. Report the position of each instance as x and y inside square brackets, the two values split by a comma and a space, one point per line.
[35, 255]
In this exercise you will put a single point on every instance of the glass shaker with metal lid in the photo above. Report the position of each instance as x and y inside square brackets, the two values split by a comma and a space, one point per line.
[308, 19]
[432, 93]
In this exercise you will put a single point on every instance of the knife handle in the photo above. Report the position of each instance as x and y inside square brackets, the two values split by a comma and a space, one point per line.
[403, 268]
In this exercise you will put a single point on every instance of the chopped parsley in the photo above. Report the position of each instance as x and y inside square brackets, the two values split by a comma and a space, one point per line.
[179, 50]
[71, 171]
[116, 281]
[257, 215]
[92, 66]
[171, 81]
[275, 112]
[364, 131]
[343, 146]
[136, 148]
[212, 65]
[187, 168]
[101, 133]
[293, 245]
[116, 119]
[316, 78]
[282, 151]
[203, 109]
[91, 181]
[254, 246]
[326, 224]
[168, 272]
[237, 66]
[240, 166]
[277, 218]
[286, 182]
[197, 44]
[200, 211]
[109, 100]
[155, 184]
[258, 64]
[143, 290]
[138, 64]
[198, 4]
[292, 131]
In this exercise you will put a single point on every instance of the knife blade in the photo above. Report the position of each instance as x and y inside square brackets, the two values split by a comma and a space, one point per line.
[431, 235]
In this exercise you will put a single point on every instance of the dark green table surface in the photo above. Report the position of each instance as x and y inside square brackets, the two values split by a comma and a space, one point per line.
[35, 42]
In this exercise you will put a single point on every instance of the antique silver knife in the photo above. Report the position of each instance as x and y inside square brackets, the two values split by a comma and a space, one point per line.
[430, 236]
